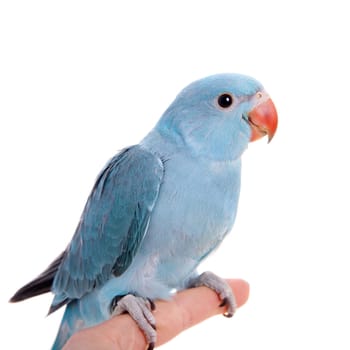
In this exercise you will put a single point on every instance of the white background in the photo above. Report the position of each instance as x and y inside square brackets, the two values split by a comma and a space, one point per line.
[80, 80]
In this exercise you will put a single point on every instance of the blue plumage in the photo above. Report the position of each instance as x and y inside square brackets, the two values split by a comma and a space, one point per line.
[113, 224]
[158, 208]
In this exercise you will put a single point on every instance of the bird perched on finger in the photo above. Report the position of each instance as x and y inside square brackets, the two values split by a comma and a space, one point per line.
[158, 209]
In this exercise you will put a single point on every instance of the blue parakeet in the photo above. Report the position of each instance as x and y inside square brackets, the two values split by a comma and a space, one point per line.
[159, 208]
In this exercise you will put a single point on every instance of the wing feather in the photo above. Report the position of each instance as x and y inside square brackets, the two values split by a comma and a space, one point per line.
[112, 226]
[113, 223]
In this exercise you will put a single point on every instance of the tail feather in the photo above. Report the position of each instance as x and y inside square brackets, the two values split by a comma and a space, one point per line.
[40, 285]
[79, 314]
[55, 307]
[71, 323]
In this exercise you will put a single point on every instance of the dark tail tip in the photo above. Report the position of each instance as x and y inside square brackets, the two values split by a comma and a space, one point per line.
[30, 290]
[55, 307]
[42, 284]
[15, 299]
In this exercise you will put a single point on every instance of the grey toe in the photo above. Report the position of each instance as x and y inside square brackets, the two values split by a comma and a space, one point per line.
[221, 287]
[140, 310]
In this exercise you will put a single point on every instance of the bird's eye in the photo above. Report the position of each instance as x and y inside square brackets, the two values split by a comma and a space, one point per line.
[225, 100]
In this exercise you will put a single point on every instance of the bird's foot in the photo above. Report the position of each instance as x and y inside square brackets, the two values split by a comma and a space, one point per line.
[140, 310]
[220, 286]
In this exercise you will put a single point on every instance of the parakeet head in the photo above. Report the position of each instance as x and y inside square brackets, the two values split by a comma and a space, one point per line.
[217, 116]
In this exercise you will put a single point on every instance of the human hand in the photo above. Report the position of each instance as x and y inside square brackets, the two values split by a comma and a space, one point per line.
[184, 310]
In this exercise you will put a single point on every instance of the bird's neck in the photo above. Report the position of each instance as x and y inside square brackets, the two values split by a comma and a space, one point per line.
[162, 145]
[165, 146]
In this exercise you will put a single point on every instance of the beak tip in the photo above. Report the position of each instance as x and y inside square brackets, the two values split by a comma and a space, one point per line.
[270, 136]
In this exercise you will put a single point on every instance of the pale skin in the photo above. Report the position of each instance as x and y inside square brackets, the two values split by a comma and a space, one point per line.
[184, 310]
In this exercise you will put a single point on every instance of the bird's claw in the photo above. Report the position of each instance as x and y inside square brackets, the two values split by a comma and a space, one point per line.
[221, 287]
[140, 310]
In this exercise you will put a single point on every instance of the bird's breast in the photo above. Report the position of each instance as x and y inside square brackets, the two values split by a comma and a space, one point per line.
[196, 208]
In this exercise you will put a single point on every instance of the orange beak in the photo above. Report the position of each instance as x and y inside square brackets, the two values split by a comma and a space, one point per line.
[263, 120]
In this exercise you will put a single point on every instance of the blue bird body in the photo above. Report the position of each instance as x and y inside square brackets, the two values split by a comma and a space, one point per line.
[158, 208]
